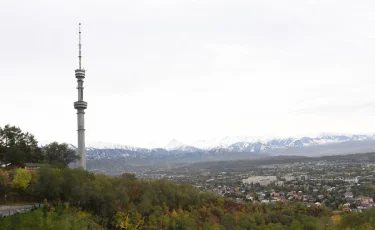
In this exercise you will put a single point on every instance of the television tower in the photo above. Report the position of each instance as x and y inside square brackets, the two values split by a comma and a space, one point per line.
[80, 106]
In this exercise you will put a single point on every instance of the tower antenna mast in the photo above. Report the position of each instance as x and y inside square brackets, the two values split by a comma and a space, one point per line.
[80, 45]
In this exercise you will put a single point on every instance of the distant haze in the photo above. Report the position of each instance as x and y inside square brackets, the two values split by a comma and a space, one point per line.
[189, 70]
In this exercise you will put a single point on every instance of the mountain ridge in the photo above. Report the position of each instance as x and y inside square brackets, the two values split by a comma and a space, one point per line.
[235, 143]
[176, 151]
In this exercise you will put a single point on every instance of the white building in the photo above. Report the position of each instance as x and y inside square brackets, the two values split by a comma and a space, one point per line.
[351, 180]
[262, 180]
[280, 183]
[289, 177]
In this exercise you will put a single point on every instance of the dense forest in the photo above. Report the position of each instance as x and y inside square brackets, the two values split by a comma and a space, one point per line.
[126, 202]
[77, 199]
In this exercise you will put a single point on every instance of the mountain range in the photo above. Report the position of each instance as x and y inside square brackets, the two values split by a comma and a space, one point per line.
[227, 150]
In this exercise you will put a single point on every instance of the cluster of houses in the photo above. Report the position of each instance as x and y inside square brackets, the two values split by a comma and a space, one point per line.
[352, 204]
[357, 204]
[307, 189]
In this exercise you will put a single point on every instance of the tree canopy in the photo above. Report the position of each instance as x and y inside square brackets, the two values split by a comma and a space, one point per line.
[59, 154]
[18, 147]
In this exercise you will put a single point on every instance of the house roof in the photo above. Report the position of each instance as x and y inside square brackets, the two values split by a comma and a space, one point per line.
[33, 164]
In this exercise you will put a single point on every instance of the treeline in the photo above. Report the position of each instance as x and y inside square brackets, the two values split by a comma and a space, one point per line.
[126, 202]
[18, 147]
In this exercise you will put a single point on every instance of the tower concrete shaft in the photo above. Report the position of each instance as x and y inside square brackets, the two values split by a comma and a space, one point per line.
[80, 106]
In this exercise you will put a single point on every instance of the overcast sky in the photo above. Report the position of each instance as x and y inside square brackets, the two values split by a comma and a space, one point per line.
[190, 70]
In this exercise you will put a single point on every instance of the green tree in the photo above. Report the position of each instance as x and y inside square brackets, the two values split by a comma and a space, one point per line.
[49, 183]
[228, 221]
[59, 154]
[296, 225]
[17, 147]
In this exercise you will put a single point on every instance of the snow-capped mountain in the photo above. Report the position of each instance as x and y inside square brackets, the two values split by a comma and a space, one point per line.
[176, 145]
[105, 145]
[251, 144]
[226, 141]
[233, 148]
[112, 157]
[268, 145]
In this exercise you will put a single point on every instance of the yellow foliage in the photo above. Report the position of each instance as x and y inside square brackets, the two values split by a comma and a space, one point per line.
[368, 226]
[66, 206]
[121, 220]
[174, 214]
[203, 211]
[126, 224]
[215, 227]
[21, 179]
[84, 215]
[336, 219]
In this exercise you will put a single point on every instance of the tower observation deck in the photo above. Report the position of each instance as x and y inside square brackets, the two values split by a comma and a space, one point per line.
[80, 106]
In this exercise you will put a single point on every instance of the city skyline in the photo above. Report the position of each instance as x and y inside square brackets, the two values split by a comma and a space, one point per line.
[189, 70]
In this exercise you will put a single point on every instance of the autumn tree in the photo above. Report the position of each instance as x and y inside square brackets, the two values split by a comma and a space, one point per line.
[21, 179]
